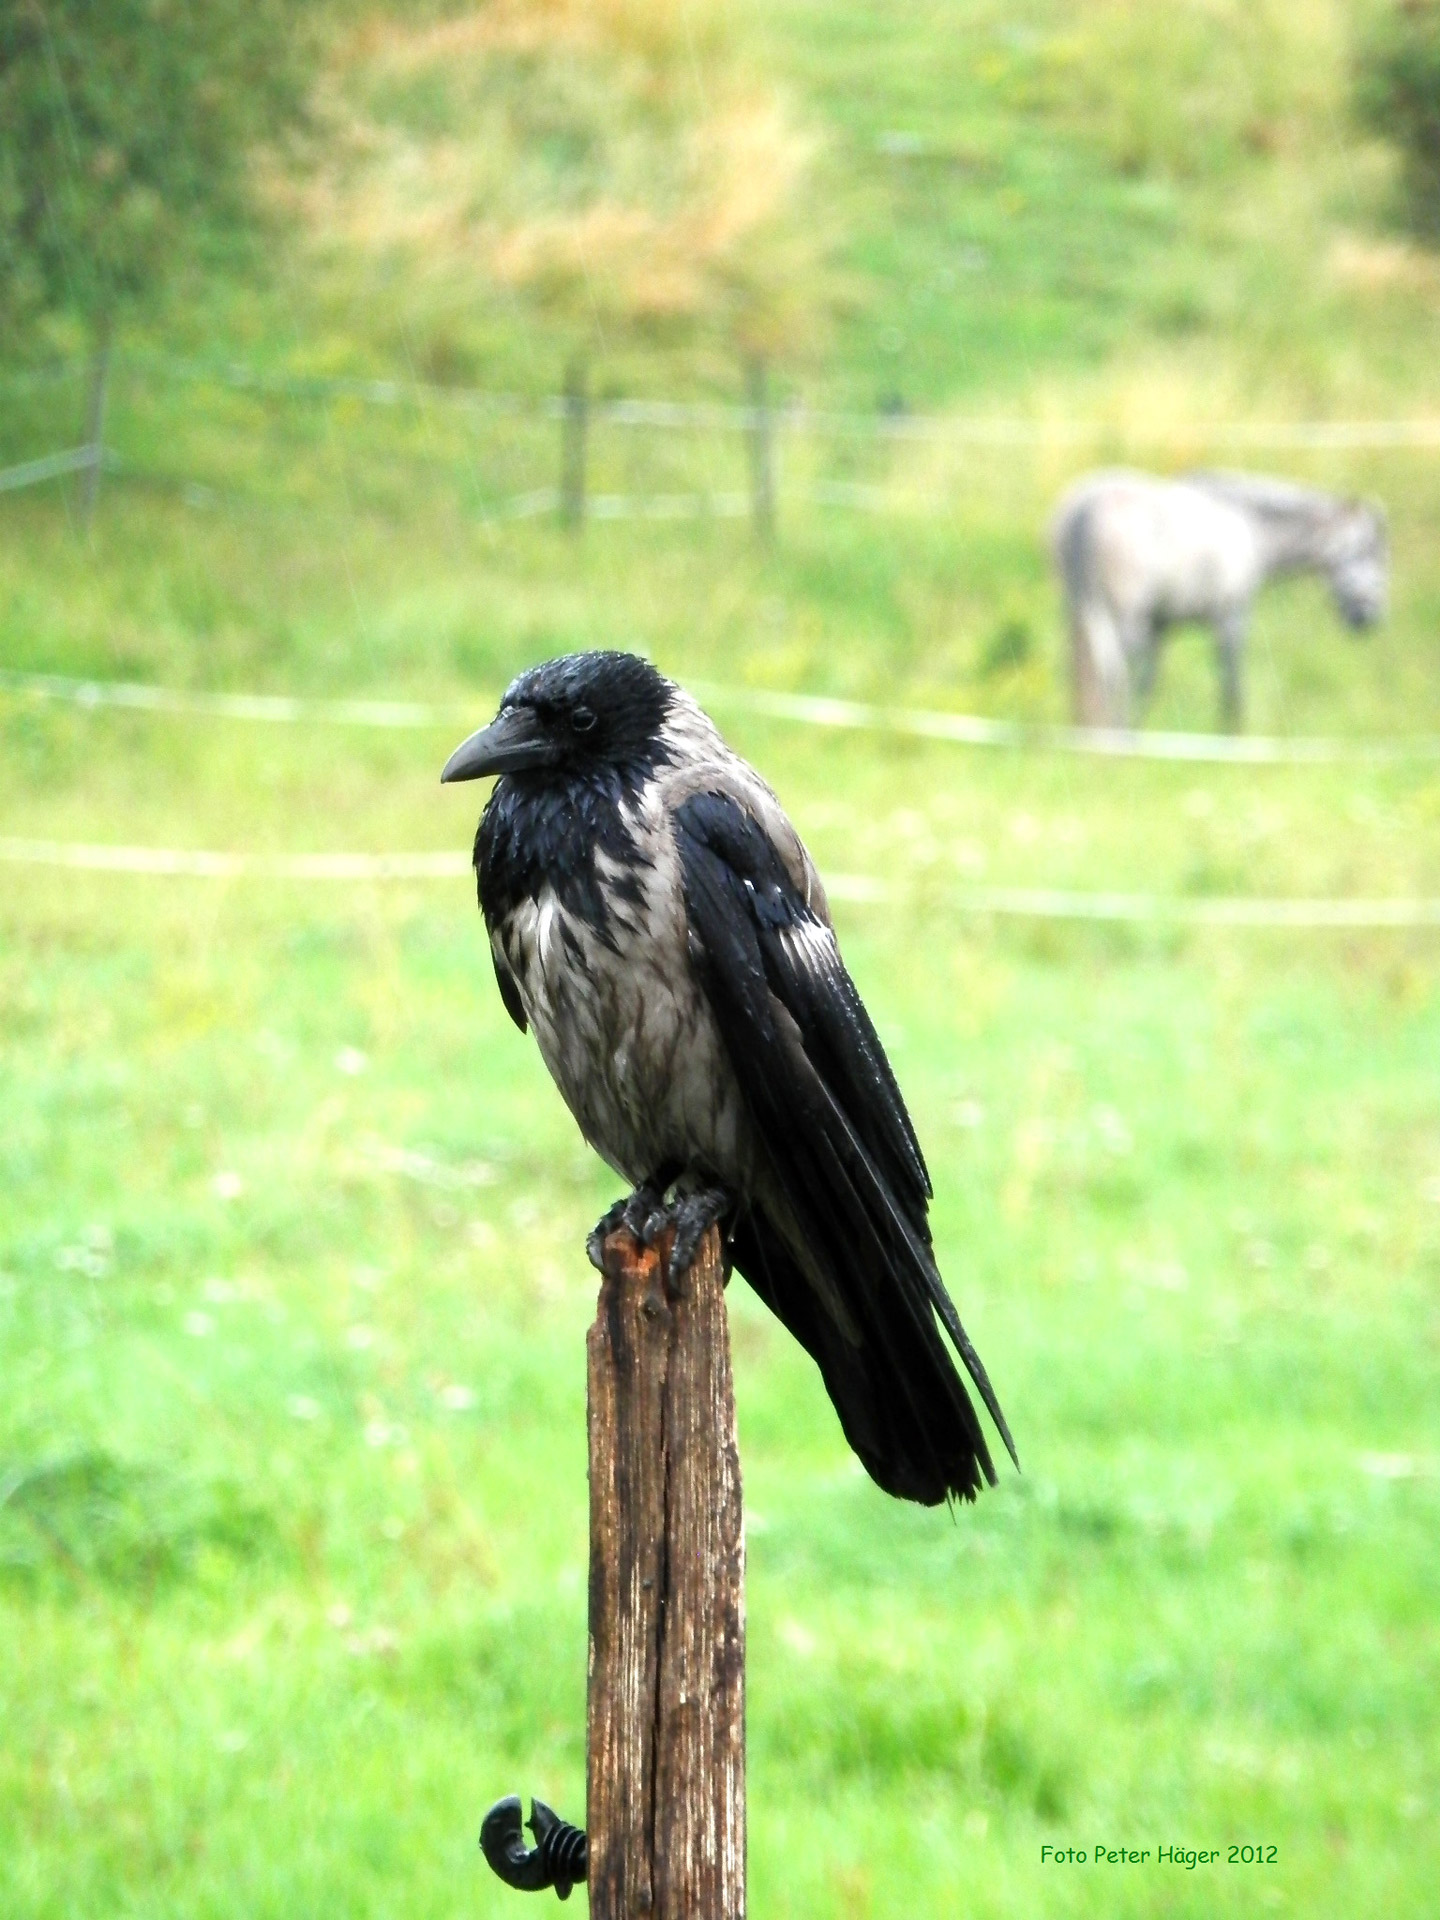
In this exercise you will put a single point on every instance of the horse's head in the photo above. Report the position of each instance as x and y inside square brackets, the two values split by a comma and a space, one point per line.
[1357, 563]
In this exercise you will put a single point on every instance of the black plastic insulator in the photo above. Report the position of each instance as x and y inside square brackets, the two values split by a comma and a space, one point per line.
[559, 1859]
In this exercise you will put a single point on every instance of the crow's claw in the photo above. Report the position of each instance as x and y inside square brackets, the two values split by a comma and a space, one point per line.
[612, 1218]
[693, 1215]
[645, 1214]
[641, 1213]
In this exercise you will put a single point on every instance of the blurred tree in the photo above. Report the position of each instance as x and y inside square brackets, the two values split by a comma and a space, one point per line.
[1398, 95]
[127, 130]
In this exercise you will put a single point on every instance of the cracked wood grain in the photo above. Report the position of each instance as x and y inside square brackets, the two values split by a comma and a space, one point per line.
[666, 1750]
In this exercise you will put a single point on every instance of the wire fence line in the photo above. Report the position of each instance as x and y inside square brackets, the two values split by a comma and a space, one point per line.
[757, 420]
[201, 864]
[529, 504]
[663, 414]
[976, 730]
[283, 709]
[1028, 903]
[1235, 910]
[683, 415]
[29, 473]
[960, 729]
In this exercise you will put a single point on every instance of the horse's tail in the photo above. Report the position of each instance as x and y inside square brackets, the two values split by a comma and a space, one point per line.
[1099, 677]
[1069, 527]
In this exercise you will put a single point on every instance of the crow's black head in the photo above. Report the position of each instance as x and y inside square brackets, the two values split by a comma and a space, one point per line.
[582, 711]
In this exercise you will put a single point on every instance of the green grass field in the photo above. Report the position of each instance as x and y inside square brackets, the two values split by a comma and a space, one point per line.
[292, 1283]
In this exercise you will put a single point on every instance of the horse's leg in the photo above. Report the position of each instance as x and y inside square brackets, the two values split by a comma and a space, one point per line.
[1146, 655]
[1116, 668]
[1102, 677]
[1229, 657]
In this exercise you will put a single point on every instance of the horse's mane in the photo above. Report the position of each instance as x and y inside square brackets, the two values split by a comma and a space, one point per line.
[1270, 499]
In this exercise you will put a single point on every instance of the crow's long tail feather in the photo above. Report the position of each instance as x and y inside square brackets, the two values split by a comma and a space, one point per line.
[896, 1397]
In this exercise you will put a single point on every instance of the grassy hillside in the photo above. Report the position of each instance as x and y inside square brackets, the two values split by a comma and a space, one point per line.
[292, 1296]
[1122, 227]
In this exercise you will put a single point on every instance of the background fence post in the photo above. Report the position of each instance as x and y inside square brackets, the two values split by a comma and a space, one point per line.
[762, 451]
[665, 1794]
[574, 426]
[95, 422]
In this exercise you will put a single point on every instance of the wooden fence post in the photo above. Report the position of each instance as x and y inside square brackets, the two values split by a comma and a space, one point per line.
[762, 452]
[574, 424]
[666, 1734]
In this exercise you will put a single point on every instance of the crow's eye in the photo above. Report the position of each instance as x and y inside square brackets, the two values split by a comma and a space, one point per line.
[582, 720]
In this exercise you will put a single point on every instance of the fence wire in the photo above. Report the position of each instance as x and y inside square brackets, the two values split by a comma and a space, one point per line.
[960, 729]
[1027, 903]
[847, 431]
[29, 473]
[667, 415]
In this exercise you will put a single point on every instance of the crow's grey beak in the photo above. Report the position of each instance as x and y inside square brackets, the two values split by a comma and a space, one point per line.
[513, 740]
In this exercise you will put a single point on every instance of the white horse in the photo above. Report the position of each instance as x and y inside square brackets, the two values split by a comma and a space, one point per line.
[1137, 555]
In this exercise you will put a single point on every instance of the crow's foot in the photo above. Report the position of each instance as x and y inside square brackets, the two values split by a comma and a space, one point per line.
[645, 1214]
[694, 1214]
[642, 1214]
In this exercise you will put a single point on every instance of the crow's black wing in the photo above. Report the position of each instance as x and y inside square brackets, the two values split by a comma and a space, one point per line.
[840, 1145]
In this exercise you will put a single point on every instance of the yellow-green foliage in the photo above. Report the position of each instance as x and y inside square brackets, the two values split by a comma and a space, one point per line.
[1196, 86]
[622, 165]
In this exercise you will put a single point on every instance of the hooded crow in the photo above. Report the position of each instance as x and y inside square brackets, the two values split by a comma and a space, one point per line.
[656, 921]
